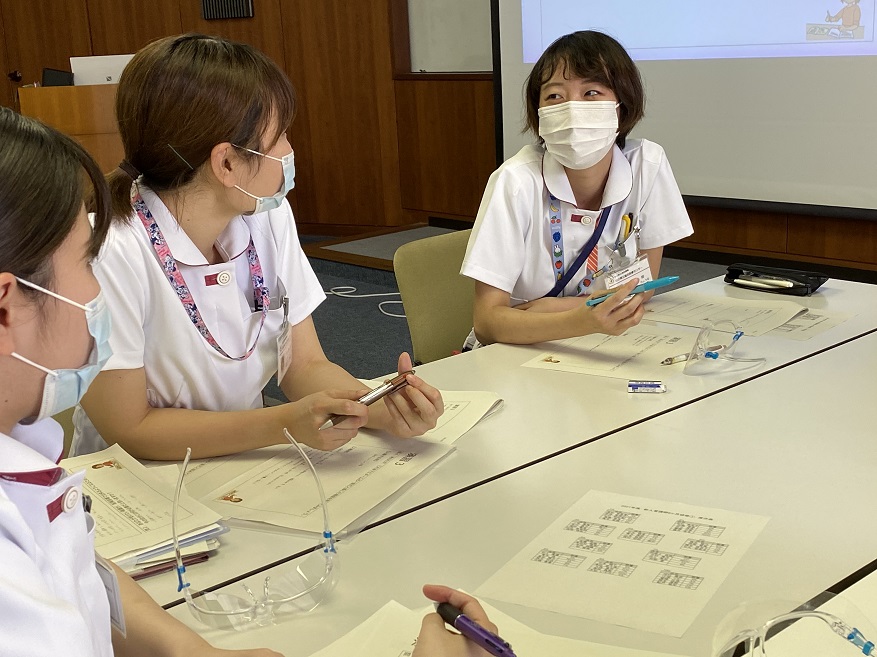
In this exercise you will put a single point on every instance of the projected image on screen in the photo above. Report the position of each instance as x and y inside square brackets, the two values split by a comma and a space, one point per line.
[708, 29]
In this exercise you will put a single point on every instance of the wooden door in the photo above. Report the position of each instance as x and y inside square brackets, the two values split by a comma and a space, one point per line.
[119, 27]
[42, 34]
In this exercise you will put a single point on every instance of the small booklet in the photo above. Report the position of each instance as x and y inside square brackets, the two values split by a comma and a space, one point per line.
[131, 506]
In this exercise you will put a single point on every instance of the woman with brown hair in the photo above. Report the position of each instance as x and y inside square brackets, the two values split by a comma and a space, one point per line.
[54, 324]
[209, 290]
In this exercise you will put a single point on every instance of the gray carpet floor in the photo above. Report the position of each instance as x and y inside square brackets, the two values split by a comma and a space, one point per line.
[367, 344]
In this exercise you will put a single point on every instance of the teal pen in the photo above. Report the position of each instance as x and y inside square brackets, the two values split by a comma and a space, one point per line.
[644, 287]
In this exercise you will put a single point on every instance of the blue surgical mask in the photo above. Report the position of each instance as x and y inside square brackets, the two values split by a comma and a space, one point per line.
[64, 389]
[265, 203]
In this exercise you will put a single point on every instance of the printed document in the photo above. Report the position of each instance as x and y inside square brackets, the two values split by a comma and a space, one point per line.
[691, 309]
[809, 324]
[131, 506]
[274, 485]
[392, 632]
[640, 563]
[636, 354]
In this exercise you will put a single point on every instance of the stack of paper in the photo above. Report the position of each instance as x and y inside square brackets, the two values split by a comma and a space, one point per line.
[132, 505]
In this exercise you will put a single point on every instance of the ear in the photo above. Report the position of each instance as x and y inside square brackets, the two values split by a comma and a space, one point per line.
[225, 164]
[8, 288]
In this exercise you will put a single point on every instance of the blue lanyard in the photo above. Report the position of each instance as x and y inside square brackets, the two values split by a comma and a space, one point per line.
[562, 276]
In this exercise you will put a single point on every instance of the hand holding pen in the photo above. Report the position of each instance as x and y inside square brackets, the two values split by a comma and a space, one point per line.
[468, 618]
[387, 387]
[411, 406]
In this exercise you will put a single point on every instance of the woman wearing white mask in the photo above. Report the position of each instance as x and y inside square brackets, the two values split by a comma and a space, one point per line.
[54, 326]
[583, 207]
[204, 275]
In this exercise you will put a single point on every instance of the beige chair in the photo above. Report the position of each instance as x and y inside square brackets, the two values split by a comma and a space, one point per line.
[437, 300]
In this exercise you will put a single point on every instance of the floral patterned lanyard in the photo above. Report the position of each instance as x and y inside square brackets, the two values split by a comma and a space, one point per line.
[261, 296]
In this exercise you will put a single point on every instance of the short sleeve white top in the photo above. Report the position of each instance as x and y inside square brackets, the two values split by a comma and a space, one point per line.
[511, 243]
[52, 601]
[152, 330]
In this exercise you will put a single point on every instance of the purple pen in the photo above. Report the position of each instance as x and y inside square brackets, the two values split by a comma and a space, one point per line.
[473, 631]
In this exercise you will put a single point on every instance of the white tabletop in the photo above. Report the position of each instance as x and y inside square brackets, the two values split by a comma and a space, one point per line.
[796, 446]
[546, 412]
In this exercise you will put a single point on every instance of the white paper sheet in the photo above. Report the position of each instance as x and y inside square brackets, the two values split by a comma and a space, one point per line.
[132, 506]
[809, 324]
[636, 354]
[392, 632]
[274, 485]
[691, 309]
[641, 563]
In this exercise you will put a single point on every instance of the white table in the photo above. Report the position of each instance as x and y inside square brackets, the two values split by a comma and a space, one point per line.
[796, 446]
[547, 412]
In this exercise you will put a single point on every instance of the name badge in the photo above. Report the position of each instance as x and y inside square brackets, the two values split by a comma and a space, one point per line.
[111, 584]
[639, 268]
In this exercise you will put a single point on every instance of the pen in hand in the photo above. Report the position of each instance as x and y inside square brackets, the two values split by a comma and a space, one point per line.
[387, 387]
[473, 631]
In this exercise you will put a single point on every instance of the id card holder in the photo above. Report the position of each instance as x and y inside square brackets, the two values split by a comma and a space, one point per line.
[284, 343]
[111, 584]
[639, 268]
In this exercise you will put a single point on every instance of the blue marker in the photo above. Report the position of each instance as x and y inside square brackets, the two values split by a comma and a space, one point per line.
[644, 287]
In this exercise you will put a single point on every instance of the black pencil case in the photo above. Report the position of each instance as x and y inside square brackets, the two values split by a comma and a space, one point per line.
[775, 279]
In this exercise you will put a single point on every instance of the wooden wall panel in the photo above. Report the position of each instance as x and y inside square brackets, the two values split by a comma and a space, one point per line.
[759, 231]
[264, 30]
[85, 113]
[7, 97]
[119, 27]
[43, 34]
[338, 57]
[446, 144]
[834, 239]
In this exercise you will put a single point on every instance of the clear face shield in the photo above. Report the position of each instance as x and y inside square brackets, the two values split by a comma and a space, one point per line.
[828, 626]
[299, 590]
[713, 351]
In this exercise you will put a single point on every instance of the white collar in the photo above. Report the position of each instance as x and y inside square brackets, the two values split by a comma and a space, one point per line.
[231, 243]
[618, 184]
[32, 447]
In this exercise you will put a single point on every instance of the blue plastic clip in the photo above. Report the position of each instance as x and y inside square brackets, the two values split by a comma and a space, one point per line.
[181, 585]
[855, 637]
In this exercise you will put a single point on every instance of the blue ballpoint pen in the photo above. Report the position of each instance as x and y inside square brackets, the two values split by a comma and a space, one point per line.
[473, 631]
[644, 287]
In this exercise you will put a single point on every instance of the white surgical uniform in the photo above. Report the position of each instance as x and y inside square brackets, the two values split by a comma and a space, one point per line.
[52, 601]
[152, 330]
[511, 243]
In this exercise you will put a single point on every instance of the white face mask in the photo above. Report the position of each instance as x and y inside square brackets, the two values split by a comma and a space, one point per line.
[579, 133]
[64, 389]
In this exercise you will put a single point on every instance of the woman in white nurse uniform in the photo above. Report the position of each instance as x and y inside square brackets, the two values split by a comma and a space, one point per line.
[54, 326]
[205, 277]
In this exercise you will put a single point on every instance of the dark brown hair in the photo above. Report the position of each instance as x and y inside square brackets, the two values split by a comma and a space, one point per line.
[181, 96]
[597, 57]
[44, 179]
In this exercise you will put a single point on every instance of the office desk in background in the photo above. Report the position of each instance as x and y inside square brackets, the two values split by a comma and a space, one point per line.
[796, 446]
[547, 412]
